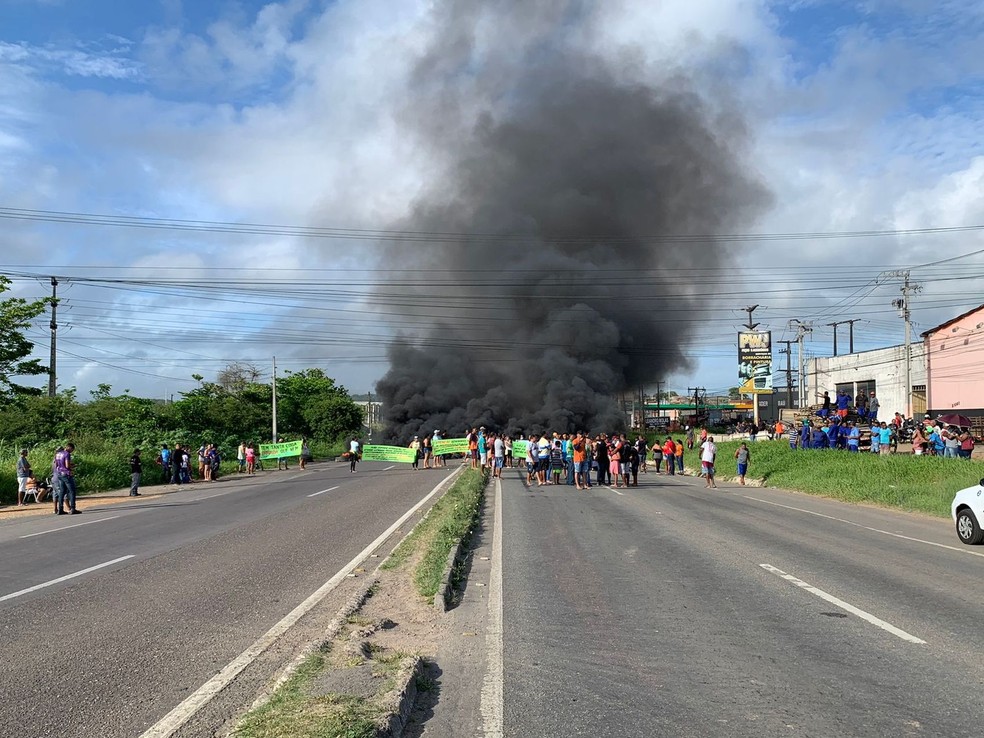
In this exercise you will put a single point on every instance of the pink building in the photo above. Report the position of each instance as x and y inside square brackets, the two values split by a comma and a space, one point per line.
[955, 367]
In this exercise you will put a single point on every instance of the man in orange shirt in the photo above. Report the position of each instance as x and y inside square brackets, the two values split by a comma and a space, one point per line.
[678, 452]
[580, 456]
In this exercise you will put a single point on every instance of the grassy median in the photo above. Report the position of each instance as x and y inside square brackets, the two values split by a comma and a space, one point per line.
[449, 520]
[917, 483]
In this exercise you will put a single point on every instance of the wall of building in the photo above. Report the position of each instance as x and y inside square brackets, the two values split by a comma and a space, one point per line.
[885, 367]
[956, 365]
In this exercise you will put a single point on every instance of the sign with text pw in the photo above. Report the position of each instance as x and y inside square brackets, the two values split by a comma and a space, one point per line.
[450, 446]
[388, 453]
[280, 450]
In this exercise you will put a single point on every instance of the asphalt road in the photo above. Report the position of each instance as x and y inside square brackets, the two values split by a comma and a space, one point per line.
[673, 610]
[178, 587]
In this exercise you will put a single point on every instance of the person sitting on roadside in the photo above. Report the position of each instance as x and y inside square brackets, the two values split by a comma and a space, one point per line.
[33, 483]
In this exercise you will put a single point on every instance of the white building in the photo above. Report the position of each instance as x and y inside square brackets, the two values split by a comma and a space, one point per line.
[881, 370]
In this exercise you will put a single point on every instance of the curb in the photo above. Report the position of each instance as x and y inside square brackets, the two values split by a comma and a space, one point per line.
[399, 703]
[331, 633]
[442, 597]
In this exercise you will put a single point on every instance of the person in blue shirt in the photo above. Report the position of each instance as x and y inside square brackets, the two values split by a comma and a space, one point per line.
[936, 442]
[806, 435]
[843, 431]
[884, 439]
[842, 402]
[853, 438]
[819, 438]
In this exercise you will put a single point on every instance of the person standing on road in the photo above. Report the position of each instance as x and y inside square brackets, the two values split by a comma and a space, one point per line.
[708, 452]
[250, 459]
[678, 452]
[742, 456]
[176, 456]
[65, 489]
[165, 457]
[136, 470]
[417, 453]
[241, 457]
[669, 455]
[498, 456]
[355, 449]
[657, 455]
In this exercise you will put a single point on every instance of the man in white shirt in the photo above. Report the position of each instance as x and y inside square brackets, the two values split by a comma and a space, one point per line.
[708, 450]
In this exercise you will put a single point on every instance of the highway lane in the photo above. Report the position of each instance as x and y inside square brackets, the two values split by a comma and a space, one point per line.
[213, 568]
[679, 611]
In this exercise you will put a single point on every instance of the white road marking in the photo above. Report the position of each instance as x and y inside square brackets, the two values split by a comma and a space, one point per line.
[492, 700]
[868, 527]
[65, 578]
[844, 605]
[66, 527]
[390, 467]
[330, 489]
[172, 722]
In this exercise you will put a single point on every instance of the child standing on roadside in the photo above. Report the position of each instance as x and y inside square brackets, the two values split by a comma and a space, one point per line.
[743, 456]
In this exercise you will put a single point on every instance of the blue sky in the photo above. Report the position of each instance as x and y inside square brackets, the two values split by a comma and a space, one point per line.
[864, 114]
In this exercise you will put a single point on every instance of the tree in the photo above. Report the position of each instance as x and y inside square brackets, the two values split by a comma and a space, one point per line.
[310, 404]
[16, 315]
[237, 376]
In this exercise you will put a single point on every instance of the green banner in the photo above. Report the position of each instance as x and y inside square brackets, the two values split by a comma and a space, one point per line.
[450, 446]
[280, 450]
[388, 453]
[519, 449]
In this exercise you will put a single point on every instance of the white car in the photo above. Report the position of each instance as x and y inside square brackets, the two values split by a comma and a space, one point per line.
[968, 512]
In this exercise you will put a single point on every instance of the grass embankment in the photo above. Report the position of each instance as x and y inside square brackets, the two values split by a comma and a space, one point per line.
[449, 520]
[917, 483]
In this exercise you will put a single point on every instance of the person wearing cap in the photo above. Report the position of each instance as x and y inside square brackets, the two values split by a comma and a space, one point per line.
[873, 406]
[415, 446]
[438, 458]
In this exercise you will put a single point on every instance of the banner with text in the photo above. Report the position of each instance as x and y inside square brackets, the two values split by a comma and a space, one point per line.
[388, 453]
[519, 449]
[280, 450]
[449, 446]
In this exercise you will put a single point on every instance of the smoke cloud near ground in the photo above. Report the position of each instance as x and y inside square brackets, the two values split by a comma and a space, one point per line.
[563, 178]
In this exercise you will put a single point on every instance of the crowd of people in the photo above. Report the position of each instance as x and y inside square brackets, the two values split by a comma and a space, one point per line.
[573, 458]
[932, 438]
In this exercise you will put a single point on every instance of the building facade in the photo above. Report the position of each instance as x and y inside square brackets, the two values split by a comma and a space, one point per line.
[955, 366]
[881, 370]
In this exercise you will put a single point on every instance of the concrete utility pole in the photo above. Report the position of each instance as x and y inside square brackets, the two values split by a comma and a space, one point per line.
[659, 397]
[902, 304]
[274, 399]
[789, 372]
[698, 393]
[802, 328]
[52, 370]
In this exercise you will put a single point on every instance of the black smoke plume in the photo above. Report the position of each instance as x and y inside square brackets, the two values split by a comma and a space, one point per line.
[570, 185]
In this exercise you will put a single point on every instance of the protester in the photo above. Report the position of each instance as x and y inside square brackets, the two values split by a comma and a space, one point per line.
[250, 459]
[64, 484]
[136, 471]
[355, 451]
[241, 457]
[24, 473]
[742, 456]
[417, 453]
[708, 452]
[657, 450]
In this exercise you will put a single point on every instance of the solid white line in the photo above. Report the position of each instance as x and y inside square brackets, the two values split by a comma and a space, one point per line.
[330, 489]
[181, 714]
[615, 491]
[65, 578]
[868, 527]
[491, 704]
[66, 527]
[390, 467]
[844, 605]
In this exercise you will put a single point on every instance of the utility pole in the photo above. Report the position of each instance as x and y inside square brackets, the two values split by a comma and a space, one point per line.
[274, 399]
[52, 370]
[902, 304]
[698, 393]
[659, 397]
[789, 372]
[850, 325]
[802, 328]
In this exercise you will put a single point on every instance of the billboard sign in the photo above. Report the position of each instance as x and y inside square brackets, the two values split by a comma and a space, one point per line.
[755, 362]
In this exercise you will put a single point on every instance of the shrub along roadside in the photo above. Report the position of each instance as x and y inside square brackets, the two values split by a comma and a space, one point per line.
[915, 483]
[450, 519]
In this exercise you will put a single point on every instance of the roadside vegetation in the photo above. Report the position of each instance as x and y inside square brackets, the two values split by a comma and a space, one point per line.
[106, 428]
[449, 521]
[917, 483]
